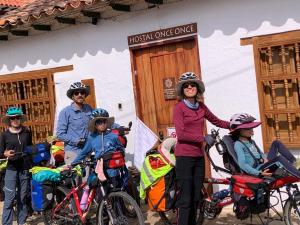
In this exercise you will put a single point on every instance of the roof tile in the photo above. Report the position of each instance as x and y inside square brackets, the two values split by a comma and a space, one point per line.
[36, 8]
[15, 3]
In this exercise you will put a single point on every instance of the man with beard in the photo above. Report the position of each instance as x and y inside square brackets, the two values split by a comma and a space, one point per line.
[72, 125]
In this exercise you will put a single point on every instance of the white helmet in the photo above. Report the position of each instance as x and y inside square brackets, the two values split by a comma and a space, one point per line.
[242, 121]
[76, 86]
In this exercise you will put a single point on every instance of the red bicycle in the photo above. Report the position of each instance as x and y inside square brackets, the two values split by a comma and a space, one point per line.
[114, 207]
[66, 205]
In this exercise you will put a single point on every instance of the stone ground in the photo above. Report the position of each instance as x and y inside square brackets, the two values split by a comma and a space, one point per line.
[225, 218]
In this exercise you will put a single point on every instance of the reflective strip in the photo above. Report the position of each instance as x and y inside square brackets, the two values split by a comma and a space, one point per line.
[142, 185]
[148, 174]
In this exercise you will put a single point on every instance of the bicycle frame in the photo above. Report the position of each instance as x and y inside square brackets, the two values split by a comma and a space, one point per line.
[82, 214]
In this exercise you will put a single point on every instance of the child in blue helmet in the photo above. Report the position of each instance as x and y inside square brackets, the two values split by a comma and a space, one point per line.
[101, 140]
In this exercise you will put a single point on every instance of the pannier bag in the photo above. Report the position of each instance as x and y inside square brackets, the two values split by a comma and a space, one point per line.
[41, 195]
[246, 185]
[161, 195]
[249, 195]
[113, 160]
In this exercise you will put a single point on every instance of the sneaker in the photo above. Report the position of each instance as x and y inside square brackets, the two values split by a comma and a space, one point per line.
[297, 164]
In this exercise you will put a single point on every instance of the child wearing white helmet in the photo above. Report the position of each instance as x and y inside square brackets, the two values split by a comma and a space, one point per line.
[250, 158]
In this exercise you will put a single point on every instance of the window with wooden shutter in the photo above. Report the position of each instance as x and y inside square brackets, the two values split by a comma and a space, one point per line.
[278, 78]
[34, 93]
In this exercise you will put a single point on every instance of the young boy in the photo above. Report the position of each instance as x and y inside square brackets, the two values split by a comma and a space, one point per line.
[101, 140]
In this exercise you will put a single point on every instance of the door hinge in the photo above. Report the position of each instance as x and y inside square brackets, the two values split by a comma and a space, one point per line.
[135, 73]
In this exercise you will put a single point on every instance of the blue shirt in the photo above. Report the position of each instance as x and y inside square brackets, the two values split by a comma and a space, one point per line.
[245, 160]
[72, 125]
[101, 144]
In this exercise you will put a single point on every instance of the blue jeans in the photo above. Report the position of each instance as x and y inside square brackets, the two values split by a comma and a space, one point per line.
[279, 153]
[16, 185]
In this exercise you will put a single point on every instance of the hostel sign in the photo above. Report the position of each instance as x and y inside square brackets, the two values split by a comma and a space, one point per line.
[184, 30]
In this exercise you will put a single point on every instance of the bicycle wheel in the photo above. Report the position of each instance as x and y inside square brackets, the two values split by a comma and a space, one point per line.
[291, 216]
[118, 214]
[66, 210]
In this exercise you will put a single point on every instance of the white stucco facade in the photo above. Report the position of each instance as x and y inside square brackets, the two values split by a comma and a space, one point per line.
[101, 52]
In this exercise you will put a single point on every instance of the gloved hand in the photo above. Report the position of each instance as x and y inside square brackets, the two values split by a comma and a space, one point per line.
[121, 130]
[81, 142]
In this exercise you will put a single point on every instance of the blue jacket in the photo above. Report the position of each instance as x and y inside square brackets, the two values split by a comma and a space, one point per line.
[101, 144]
[72, 125]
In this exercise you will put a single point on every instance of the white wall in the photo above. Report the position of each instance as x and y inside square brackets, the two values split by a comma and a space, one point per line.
[101, 52]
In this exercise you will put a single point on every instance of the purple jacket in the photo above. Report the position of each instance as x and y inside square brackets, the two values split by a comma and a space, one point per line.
[189, 126]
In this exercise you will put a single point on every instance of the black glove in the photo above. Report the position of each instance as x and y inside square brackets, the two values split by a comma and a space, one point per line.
[121, 130]
[81, 142]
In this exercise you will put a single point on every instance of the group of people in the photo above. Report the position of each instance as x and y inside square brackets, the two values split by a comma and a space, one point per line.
[189, 120]
[84, 129]
[81, 128]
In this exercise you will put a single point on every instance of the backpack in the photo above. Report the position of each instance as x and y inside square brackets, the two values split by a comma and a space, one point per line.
[162, 195]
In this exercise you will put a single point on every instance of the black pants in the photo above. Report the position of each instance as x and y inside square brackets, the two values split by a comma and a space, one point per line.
[279, 153]
[190, 172]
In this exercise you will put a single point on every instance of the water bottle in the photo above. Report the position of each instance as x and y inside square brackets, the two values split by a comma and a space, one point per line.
[84, 198]
[220, 195]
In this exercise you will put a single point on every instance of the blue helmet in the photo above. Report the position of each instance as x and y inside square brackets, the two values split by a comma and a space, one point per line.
[14, 111]
[99, 112]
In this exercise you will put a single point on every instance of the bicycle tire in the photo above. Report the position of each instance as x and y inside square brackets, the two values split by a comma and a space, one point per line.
[60, 194]
[288, 208]
[101, 220]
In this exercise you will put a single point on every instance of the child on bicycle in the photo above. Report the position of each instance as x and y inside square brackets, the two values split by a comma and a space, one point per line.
[250, 158]
[101, 140]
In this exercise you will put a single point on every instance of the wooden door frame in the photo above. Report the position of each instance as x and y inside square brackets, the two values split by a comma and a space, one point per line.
[159, 43]
[135, 80]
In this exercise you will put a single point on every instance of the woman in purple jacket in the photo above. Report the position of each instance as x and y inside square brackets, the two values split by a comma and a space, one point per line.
[189, 117]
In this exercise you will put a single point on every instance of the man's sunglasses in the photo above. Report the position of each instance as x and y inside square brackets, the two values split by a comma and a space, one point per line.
[79, 92]
[186, 85]
[14, 118]
[98, 122]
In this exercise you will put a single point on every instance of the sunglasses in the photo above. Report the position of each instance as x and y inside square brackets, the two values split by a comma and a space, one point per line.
[99, 122]
[14, 118]
[186, 85]
[76, 93]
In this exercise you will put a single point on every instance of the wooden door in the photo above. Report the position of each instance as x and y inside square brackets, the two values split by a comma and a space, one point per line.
[91, 99]
[152, 66]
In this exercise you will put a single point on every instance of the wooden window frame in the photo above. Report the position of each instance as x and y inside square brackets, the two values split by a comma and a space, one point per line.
[45, 124]
[290, 76]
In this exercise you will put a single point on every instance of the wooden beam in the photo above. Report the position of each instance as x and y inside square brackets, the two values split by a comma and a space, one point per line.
[42, 27]
[91, 14]
[160, 2]
[19, 32]
[66, 20]
[3, 38]
[120, 7]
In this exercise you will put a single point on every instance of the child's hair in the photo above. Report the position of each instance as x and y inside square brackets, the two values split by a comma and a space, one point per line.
[236, 135]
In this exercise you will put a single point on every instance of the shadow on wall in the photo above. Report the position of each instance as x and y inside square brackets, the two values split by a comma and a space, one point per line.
[111, 36]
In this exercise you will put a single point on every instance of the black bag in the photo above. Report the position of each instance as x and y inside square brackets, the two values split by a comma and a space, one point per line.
[41, 195]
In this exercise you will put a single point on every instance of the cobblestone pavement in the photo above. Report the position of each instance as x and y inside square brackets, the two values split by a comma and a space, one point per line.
[152, 218]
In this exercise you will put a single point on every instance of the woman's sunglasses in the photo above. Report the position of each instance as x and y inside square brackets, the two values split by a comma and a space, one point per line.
[79, 92]
[14, 118]
[186, 85]
[99, 122]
